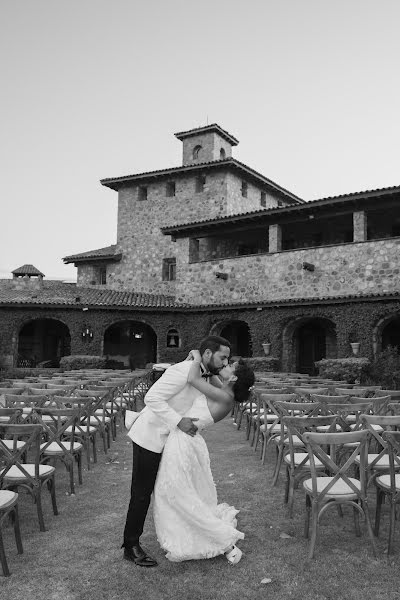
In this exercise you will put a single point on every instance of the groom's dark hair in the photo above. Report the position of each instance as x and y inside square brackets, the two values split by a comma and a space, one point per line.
[213, 343]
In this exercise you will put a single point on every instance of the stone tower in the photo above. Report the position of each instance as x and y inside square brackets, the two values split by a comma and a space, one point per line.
[206, 144]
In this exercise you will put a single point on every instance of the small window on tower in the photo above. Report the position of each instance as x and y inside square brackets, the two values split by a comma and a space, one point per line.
[263, 199]
[170, 189]
[222, 154]
[200, 183]
[169, 269]
[142, 193]
[103, 276]
[196, 152]
[244, 189]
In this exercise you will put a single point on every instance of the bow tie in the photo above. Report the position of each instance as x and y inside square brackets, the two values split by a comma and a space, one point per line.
[206, 375]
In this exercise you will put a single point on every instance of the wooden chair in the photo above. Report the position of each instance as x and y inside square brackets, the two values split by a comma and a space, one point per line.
[296, 458]
[388, 485]
[394, 394]
[56, 446]
[30, 476]
[100, 416]
[9, 509]
[324, 492]
[281, 440]
[378, 458]
[271, 426]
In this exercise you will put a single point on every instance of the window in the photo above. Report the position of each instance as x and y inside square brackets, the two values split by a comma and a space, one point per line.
[170, 189]
[103, 276]
[142, 193]
[244, 189]
[200, 183]
[263, 199]
[169, 269]
[196, 152]
[222, 154]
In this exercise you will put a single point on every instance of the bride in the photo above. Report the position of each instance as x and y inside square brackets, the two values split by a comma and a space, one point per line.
[189, 522]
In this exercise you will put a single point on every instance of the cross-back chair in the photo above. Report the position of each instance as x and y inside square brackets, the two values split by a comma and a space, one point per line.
[31, 476]
[388, 486]
[338, 488]
[57, 446]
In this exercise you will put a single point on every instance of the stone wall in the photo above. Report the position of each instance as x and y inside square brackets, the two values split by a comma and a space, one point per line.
[140, 240]
[348, 269]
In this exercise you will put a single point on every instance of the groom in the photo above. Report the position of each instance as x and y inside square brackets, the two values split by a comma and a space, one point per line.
[166, 401]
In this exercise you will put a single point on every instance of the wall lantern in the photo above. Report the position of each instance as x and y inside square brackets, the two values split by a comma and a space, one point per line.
[220, 275]
[87, 333]
[308, 266]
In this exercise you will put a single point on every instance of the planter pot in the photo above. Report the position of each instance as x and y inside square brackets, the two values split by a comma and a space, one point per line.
[267, 348]
[355, 346]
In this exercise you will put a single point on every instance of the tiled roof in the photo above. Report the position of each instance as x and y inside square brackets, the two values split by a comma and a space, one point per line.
[27, 270]
[100, 253]
[305, 207]
[213, 127]
[298, 301]
[69, 294]
[231, 163]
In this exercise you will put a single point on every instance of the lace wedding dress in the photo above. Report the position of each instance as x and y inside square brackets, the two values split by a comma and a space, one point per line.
[189, 522]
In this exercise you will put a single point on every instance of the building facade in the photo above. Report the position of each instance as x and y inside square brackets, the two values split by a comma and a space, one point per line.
[214, 246]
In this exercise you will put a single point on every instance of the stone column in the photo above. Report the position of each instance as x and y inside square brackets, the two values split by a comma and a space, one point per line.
[359, 226]
[275, 238]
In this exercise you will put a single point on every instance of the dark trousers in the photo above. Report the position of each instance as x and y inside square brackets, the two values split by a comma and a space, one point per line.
[144, 472]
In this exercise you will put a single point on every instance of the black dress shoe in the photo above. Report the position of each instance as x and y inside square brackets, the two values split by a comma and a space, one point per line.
[137, 555]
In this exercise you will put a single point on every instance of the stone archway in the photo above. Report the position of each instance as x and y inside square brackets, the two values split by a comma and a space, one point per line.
[238, 333]
[130, 343]
[307, 340]
[42, 342]
[386, 333]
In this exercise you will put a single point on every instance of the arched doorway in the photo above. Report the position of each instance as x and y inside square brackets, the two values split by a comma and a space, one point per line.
[307, 340]
[238, 333]
[391, 334]
[42, 342]
[131, 343]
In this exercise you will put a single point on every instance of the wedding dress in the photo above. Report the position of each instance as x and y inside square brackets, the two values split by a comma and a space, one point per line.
[189, 522]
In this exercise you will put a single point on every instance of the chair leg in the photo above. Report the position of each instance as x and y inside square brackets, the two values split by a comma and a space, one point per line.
[278, 465]
[378, 509]
[391, 524]
[369, 526]
[79, 461]
[51, 485]
[307, 517]
[3, 560]
[17, 531]
[314, 528]
[39, 509]
[356, 516]
[94, 448]
[264, 449]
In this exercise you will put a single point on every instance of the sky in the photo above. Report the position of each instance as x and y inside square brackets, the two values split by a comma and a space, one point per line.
[97, 88]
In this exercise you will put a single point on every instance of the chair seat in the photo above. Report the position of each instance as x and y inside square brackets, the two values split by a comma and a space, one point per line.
[298, 457]
[15, 475]
[54, 448]
[10, 444]
[373, 426]
[324, 428]
[274, 428]
[340, 490]
[297, 442]
[7, 499]
[80, 430]
[384, 481]
[95, 421]
[382, 463]
[250, 410]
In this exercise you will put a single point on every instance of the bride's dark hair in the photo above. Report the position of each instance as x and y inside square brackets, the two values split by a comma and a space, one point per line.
[245, 379]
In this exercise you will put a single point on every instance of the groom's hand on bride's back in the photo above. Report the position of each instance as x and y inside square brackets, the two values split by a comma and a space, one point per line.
[187, 425]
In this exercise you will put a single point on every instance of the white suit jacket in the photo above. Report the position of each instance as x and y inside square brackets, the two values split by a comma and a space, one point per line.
[167, 400]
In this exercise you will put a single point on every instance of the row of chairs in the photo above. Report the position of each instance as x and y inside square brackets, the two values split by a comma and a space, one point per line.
[320, 438]
[39, 425]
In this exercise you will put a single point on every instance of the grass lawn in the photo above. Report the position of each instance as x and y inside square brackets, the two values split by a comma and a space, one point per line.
[79, 557]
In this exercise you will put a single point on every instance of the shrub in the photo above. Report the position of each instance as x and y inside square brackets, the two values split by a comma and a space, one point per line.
[263, 363]
[385, 369]
[82, 361]
[343, 369]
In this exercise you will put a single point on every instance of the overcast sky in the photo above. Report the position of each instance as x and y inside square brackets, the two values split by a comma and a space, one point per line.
[97, 88]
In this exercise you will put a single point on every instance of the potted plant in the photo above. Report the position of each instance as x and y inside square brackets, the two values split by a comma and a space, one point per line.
[267, 348]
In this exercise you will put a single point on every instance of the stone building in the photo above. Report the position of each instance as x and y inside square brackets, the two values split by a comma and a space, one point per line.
[214, 246]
